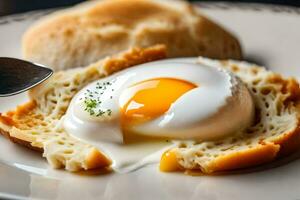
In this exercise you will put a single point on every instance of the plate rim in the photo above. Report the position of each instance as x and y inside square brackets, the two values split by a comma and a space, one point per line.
[221, 5]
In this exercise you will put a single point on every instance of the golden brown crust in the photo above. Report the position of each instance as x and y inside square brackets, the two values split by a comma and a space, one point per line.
[135, 57]
[242, 159]
[265, 153]
[21, 142]
[284, 146]
[289, 143]
[82, 35]
[12, 119]
[97, 160]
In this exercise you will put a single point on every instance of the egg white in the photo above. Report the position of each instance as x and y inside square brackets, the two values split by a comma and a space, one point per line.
[195, 115]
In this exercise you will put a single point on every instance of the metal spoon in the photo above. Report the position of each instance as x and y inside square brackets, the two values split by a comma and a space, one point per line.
[17, 75]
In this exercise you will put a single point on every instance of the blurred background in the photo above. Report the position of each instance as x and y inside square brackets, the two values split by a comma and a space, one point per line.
[17, 6]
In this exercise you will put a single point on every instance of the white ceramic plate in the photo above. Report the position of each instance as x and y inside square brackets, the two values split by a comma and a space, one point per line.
[270, 35]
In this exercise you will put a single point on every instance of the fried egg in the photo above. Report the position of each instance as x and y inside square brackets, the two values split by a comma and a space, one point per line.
[135, 115]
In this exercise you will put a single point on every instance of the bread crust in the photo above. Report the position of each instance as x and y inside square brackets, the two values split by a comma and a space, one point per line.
[254, 157]
[9, 121]
[21, 142]
[248, 158]
[265, 153]
[289, 143]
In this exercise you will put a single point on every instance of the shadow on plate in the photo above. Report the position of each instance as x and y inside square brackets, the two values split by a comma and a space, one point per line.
[256, 59]
[95, 172]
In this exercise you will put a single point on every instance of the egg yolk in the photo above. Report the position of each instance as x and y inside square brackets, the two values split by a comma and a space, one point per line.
[169, 162]
[150, 99]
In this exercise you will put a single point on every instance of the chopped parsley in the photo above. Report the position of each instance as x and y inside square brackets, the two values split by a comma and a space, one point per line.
[90, 105]
[92, 100]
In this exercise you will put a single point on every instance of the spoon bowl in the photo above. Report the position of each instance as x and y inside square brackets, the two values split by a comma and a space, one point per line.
[18, 75]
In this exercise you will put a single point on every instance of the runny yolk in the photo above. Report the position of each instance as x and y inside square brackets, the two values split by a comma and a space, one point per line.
[150, 99]
[168, 162]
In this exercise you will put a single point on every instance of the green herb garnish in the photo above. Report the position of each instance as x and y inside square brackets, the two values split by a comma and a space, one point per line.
[92, 100]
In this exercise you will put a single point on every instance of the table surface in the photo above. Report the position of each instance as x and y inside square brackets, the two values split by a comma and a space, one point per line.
[17, 6]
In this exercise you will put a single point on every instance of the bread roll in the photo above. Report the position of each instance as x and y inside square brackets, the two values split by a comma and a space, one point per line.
[90, 31]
